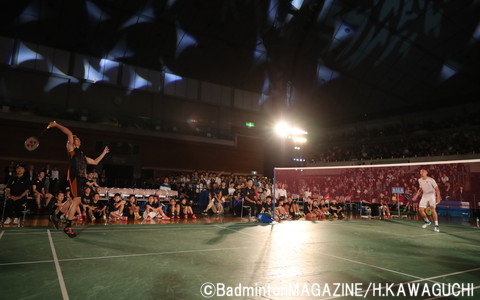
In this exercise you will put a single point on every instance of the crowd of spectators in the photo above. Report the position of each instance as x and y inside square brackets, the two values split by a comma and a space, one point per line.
[367, 185]
[324, 193]
[459, 135]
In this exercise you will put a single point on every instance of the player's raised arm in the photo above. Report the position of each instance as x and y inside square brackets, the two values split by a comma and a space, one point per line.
[63, 129]
[97, 160]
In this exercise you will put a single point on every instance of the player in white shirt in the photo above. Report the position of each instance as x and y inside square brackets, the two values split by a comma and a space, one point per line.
[430, 197]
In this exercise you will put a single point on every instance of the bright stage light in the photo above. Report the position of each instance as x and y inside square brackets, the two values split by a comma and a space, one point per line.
[282, 129]
[298, 139]
[297, 131]
[293, 133]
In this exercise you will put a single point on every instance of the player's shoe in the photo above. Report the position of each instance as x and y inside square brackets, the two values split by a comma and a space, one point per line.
[69, 231]
[54, 219]
[194, 216]
[437, 228]
[7, 221]
[16, 221]
[426, 224]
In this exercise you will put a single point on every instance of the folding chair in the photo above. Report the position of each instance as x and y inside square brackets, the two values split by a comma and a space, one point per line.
[249, 208]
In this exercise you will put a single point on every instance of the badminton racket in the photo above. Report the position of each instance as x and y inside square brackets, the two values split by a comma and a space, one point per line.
[32, 142]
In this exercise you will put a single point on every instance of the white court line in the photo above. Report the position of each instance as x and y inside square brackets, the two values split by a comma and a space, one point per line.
[153, 253]
[27, 262]
[449, 274]
[376, 267]
[205, 226]
[63, 288]
[109, 229]
[236, 231]
[1, 234]
[121, 256]
[414, 281]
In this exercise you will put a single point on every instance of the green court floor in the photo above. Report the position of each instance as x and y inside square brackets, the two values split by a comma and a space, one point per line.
[374, 259]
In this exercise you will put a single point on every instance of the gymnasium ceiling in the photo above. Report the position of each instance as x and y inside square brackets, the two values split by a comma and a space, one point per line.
[335, 60]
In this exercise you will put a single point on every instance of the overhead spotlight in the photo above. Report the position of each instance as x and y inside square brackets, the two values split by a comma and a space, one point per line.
[282, 129]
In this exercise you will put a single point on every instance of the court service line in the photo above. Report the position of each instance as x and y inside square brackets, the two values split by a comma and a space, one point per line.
[1, 234]
[151, 254]
[63, 288]
[121, 256]
[27, 262]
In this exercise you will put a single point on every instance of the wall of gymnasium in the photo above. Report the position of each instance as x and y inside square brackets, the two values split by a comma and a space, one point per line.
[139, 150]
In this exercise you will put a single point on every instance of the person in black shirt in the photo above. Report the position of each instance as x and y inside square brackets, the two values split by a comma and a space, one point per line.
[237, 199]
[39, 190]
[267, 206]
[335, 209]
[186, 208]
[173, 209]
[308, 208]
[98, 208]
[76, 173]
[132, 208]
[86, 201]
[250, 198]
[16, 195]
[116, 206]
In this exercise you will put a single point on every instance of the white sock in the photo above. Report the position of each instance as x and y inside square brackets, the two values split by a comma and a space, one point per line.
[436, 223]
[426, 220]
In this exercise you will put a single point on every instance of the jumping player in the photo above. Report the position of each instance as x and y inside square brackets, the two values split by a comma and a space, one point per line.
[430, 197]
[77, 172]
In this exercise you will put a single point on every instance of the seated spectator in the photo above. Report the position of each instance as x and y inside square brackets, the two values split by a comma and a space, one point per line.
[308, 208]
[173, 209]
[86, 200]
[287, 204]
[131, 208]
[366, 200]
[166, 184]
[267, 206]
[186, 209]
[57, 213]
[116, 207]
[237, 200]
[215, 203]
[92, 181]
[16, 193]
[97, 209]
[280, 212]
[384, 208]
[335, 209]
[154, 209]
[39, 192]
[316, 209]
[294, 209]
[324, 208]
